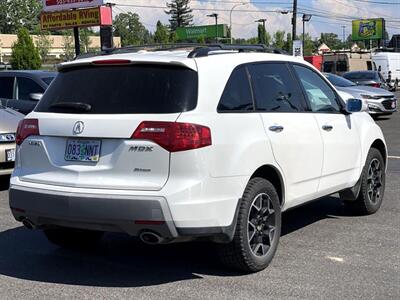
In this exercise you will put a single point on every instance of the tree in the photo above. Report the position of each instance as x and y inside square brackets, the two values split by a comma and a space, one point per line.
[16, 14]
[84, 39]
[44, 43]
[331, 40]
[279, 39]
[131, 30]
[288, 43]
[181, 14]
[68, 46]
[263, 36]
[25, 56]
[161, 35]
[308, 44]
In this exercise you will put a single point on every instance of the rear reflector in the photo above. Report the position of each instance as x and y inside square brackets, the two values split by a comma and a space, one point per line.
[174, 136]
[26, 128]
[111, 62]
[149, 222]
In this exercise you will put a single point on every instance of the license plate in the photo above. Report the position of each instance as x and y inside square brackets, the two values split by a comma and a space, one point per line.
[10, 155]
[394, 104]
[82, 150]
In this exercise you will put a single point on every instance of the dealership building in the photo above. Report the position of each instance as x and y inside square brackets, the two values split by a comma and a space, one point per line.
[59, 44]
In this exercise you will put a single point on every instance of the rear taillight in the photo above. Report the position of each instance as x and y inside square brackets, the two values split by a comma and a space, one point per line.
[25, 129]
[174, 136]
[376, 85]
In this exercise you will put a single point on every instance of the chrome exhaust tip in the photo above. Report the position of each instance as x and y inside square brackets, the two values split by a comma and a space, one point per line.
[151, 238]
[28, 224]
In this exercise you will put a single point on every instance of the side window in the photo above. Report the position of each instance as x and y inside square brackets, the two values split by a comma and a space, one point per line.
[6, 87]
[369, 65]
[25, 87]
[237, 95]
[275, 89]
[320, 95]
[341, 66]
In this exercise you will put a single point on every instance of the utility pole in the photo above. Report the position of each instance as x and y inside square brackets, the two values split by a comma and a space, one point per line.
[265, 30]
[294, 19]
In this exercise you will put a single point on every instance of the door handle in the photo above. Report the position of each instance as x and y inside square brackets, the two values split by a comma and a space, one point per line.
[327, 127]
[276, 128]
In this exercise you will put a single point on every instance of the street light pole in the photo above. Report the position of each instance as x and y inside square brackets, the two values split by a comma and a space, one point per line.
[214, 15]
[230, 17]
[344, 36]
[306, 18]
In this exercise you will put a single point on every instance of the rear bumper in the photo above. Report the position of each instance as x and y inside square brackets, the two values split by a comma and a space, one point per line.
[104, 212]
[92, 211]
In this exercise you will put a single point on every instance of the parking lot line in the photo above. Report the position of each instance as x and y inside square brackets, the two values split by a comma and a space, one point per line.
[394, 157]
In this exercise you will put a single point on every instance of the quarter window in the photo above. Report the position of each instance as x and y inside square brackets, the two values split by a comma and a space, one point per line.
[275, 90]
[320, 95]
[237, 95]
[6, 87]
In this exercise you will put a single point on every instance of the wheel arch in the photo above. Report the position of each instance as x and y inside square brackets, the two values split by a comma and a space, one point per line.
[381, 147]
[273, 175]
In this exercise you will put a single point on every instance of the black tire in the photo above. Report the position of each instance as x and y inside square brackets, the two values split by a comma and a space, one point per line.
[247, 255]
[73, 238]
[372, 187]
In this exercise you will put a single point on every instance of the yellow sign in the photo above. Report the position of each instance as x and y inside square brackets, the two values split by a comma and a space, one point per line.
[72, 18]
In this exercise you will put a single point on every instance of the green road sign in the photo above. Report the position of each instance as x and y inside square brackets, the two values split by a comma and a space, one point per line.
[195, 32]
[368, 29]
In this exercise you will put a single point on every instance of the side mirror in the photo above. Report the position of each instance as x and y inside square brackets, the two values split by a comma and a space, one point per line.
[354, 105]
[35, 96]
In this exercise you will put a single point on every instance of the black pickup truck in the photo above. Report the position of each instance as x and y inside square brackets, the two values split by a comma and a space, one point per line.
[21, 90]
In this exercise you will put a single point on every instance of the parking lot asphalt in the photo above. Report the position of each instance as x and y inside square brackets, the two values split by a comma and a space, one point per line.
[325, 253]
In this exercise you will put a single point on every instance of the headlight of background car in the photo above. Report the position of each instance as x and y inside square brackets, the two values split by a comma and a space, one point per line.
[7, 137]
[371, 97]
[367, 97]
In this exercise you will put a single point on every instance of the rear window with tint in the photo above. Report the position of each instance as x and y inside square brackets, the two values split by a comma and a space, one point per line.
[138, 89]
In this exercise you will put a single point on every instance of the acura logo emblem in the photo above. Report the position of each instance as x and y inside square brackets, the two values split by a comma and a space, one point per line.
[78, 127]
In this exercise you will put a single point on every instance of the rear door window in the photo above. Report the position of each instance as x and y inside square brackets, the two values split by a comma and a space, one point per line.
[275, 89]
[6, 87]
[237, 94]
[133, 89]
[26, 86]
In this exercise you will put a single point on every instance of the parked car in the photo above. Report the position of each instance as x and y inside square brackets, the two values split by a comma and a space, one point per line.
[213, 143]
[388, 63]
[380, 101]
[8, 126]
[368, 78]
[21, 90]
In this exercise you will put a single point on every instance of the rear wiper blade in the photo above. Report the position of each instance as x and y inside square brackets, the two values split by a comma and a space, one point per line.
[73, 105]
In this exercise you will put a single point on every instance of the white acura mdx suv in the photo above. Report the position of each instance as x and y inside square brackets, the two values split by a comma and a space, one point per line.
[212, 142]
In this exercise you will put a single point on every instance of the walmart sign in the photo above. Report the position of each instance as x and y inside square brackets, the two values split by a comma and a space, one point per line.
[208, 31]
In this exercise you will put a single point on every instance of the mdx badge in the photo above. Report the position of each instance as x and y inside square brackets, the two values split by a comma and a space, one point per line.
[141, 149]
[78, 127]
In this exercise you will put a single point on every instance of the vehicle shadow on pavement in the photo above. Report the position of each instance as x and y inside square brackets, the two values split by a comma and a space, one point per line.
[120, 261]
[4, 183]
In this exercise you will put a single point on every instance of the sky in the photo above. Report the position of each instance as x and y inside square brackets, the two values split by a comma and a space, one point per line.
[328, 15]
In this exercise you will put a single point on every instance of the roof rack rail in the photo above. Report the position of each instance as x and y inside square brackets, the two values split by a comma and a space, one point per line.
[137, 48]
[197, 50]
[205, 50]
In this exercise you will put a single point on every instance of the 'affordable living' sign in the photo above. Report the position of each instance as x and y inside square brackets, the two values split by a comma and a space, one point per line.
[58, 5]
